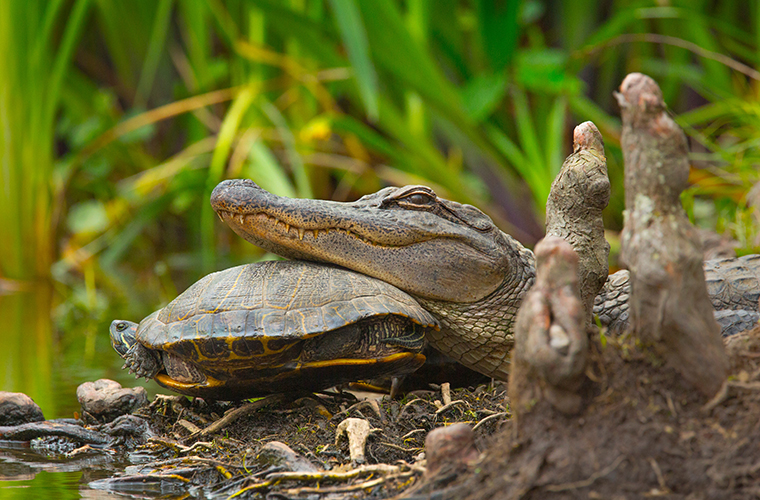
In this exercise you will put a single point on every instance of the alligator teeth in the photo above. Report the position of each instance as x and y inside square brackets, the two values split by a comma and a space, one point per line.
[316, 233]
[242, 219]
[287, 227]
[300, 233]
[220, 216]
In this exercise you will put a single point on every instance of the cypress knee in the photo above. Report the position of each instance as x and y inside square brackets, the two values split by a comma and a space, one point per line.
[551, 344]
[578, 195]
[669, 306]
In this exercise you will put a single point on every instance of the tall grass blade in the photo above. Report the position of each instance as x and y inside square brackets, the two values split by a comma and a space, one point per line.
[227, 135]
[499, 30]
[31, 77]
[158, 34]
[354, 38]
[555, 138]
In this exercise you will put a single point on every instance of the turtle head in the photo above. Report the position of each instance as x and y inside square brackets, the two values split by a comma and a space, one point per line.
[123, 335]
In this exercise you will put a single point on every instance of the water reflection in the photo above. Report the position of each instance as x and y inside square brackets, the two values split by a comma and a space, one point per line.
[27, 346]
[47, 364]
[26, 474]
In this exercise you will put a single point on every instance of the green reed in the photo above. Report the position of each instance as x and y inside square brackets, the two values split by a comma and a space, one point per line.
[31, 76]
[334, 99]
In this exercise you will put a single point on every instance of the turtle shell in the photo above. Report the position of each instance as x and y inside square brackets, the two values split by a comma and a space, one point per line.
[246, 326]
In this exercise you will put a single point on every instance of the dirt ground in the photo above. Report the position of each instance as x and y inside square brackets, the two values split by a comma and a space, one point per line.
[643, 434]
[228, 461]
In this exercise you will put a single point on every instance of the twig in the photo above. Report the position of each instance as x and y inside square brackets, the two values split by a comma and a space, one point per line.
[410, 433]
[397, 447]
[189, 426]
[192, 458]
[446, 393]
[354, 487]
[335, 476]
[172, 445]
[658, 473]
[489, 418]
[409, 404]
[449, 406]
[238, 413]
[372, 405]
[586, 482]
[255, 486]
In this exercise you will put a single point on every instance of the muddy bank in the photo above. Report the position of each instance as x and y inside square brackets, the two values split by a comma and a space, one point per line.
[644, 433]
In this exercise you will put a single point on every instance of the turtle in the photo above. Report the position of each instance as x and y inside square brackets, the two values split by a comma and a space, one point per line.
[276, 326]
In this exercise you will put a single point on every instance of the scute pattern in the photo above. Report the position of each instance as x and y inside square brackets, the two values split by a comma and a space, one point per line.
[260, 310]
[734, 283]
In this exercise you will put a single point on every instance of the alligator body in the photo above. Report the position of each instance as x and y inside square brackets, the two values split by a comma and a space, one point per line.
[733, 285]
[450, 257]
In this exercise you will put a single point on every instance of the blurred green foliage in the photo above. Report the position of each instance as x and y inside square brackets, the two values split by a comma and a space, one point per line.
[118, 118]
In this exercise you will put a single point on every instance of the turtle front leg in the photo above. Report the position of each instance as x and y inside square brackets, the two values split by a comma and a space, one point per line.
[142, 361]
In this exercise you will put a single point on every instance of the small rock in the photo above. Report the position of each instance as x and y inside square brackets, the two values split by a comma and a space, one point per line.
[127, 430]
[17, 408]
[279, 454]
[106, 399]
[450, 447]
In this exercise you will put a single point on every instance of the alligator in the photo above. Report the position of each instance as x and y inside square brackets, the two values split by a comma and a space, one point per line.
[449, 256]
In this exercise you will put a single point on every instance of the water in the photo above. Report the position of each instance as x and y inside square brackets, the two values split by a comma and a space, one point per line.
[48, 365]
[27, 474]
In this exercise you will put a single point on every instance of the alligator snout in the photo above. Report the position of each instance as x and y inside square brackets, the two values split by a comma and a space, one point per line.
[234, 192]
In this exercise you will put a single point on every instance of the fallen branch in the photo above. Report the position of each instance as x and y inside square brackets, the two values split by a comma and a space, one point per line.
[586, 482]
[239, 413]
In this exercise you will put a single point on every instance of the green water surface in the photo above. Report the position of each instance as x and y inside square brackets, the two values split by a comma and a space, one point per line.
[47, 364]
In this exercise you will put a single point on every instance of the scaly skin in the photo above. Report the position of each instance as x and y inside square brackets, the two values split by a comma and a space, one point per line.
[469, 274]
[139, 360]
[733, 285]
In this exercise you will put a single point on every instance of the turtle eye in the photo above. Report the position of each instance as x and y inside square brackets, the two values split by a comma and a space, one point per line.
[121, 326]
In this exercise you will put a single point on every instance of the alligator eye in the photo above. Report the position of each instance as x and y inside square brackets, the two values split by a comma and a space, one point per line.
[418, 199]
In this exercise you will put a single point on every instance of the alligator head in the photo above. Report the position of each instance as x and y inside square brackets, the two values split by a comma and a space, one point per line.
[449, 256]
[408, 236]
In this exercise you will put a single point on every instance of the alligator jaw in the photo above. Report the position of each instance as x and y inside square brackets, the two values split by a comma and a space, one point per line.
[436, 249]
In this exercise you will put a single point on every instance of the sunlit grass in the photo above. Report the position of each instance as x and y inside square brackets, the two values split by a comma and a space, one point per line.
[31, 76]
[335, 99]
